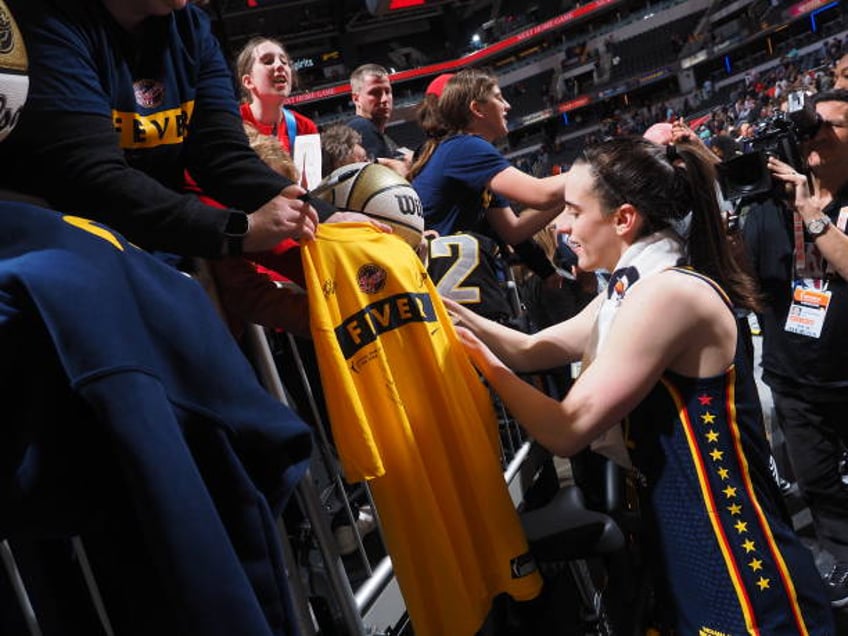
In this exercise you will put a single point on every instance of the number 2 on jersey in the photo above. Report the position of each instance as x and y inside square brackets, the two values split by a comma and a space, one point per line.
[467, 255]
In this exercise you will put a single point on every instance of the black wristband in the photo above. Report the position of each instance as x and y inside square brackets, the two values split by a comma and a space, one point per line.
[234, 232]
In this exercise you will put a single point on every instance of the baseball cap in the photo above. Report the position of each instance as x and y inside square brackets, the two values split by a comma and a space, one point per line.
[437, 86]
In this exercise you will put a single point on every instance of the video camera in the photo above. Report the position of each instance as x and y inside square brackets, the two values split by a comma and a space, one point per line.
[780, 135]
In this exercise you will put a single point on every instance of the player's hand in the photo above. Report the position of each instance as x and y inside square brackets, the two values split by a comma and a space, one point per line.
[481, 356]
[459, 314]
[278, 219]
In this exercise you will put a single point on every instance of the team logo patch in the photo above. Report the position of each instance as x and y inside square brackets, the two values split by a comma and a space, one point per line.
[149, 93]
[371, 278]
[7, 35]
[620, 281]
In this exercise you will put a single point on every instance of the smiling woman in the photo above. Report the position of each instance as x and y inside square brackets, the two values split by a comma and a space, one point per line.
[660, 349]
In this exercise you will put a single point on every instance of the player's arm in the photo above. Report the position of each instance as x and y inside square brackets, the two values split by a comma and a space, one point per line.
[552, 347]
[630, 363]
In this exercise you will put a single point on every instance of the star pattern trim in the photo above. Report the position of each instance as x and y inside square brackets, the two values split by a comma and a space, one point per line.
[734, 506]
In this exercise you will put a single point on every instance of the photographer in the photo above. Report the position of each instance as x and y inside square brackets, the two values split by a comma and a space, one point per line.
[800, 254]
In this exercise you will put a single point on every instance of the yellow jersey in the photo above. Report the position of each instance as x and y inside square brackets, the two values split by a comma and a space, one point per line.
[409, 412]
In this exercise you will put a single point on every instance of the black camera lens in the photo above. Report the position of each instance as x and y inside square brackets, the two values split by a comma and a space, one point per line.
[807, 123]
[745, 175]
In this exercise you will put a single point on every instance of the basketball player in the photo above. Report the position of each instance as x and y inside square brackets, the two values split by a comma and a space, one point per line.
[660, 347]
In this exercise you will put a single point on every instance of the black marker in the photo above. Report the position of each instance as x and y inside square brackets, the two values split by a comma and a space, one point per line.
[329, 184]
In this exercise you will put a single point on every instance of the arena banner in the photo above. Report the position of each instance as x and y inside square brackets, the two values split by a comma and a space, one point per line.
[450, 66]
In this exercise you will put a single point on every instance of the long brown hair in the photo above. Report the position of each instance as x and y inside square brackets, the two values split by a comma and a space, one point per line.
[665, 184]
[449, 114]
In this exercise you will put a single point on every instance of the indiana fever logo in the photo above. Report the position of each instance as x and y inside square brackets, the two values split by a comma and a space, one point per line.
[149, 93]
[371, 278]
[620, 281]
[486, 199]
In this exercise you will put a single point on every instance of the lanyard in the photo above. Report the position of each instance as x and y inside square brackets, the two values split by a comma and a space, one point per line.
[800, 249]
[291, 128]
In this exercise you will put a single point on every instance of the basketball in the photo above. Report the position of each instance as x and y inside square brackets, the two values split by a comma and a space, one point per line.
[14, 72]
[379, 192]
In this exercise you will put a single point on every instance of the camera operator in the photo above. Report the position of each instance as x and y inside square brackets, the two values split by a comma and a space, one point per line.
[799, 250]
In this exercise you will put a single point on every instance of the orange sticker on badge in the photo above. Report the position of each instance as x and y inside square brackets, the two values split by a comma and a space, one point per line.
[811, 297]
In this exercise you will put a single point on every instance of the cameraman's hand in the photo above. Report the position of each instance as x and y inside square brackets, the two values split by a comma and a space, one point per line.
[681, 133]
[806, 205]
[278, 219]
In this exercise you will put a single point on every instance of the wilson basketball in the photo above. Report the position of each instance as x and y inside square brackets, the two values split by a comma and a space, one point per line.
[379, 192]
[14, 72]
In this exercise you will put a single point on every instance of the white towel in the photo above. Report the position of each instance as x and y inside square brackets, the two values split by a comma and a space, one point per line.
[645, 257]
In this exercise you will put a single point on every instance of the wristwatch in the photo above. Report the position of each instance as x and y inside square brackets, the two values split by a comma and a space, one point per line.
[234, 232]
[817, 226]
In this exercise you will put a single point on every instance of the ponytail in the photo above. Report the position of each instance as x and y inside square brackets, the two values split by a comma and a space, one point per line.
[707, 243]
[667, 184]
[429, 120]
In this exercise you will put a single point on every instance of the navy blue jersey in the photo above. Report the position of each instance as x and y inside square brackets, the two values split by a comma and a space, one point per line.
[723, 542]
[453, 185]
[81, 61]
[115, 118]
[469, 269]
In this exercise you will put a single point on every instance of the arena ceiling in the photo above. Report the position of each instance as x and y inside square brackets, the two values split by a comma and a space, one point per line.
[314, 24]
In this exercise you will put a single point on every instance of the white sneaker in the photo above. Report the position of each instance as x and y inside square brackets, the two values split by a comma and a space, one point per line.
[345, 536]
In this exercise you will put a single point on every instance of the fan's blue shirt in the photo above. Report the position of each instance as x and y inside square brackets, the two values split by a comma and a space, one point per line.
[148, 83]
[723, 542]
[453, 185]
